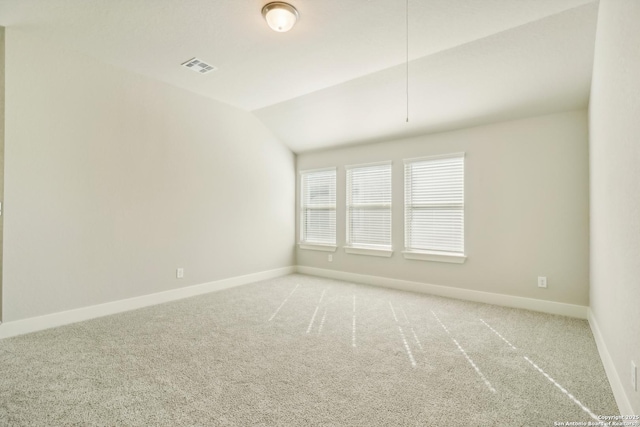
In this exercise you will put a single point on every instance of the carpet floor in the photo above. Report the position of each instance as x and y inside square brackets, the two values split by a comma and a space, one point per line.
[305, 351]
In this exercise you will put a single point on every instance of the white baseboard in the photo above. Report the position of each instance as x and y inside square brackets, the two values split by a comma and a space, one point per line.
[33, 324]
[544, 306]
[19, 327]
[624, 404]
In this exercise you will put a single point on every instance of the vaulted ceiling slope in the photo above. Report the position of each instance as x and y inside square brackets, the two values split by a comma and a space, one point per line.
[338, 76]
[534, 69]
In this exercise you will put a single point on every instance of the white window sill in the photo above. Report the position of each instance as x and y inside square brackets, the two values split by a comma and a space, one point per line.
[435, 256]
[317, 247]
[368, 251]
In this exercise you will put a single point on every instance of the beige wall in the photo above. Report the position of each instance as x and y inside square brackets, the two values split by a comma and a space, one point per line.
[1, 152]
[114, 180]
[526, 194]
[615, 183]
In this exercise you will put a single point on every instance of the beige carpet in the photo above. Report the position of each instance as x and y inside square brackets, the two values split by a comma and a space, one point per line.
[303, 351]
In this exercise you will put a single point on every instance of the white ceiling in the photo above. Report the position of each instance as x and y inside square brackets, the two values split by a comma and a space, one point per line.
[337, 77]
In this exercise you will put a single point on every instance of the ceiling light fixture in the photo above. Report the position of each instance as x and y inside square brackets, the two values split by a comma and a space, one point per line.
[280, 16]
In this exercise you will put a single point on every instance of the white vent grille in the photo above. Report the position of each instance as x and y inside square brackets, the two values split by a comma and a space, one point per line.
[199, 66]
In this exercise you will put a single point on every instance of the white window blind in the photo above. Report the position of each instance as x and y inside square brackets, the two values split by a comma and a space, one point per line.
[318, 207]
[434, 204]
[369, 206]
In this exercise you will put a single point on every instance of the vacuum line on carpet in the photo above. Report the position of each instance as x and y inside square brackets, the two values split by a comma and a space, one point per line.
[563, 390]
[324, 316]
[406, 346]
[478, 371]
[486, 381]
[415, 336]
[554, 382]
[417, 340]
[498, 334]
[313, 318]
[353, 334]
[404, 339]
[394, 312]
[441, 324]
[283, 303]
[406, 319]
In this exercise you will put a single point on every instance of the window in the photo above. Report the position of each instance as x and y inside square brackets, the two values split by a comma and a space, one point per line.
[434, 208]
[369, 209]
[318, 208]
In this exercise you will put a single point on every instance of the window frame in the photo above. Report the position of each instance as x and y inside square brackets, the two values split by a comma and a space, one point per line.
[363, 248]
[436, 255]
[302, 242]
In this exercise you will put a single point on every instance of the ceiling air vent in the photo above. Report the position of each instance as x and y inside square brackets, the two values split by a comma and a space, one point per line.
[198, 66]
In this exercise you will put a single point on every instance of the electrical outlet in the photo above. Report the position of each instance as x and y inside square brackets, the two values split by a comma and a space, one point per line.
[180, 273]
[634, 376]
[330, 258]
[542, 282]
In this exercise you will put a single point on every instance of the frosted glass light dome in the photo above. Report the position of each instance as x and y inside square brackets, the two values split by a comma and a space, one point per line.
[280, 16]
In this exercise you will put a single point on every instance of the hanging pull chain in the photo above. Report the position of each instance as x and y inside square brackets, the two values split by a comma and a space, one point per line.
[407, 57]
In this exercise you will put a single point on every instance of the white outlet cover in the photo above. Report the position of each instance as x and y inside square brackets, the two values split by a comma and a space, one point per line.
[180, 273]
[634, 376]
[542, 282]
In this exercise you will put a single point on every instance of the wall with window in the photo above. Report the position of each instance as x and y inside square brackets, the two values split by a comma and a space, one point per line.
[526, 201]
